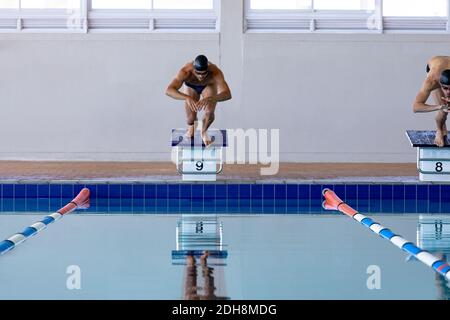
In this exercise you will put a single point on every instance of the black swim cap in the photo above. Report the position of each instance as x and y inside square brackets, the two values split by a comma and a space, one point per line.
[445, 77]
[201, 63]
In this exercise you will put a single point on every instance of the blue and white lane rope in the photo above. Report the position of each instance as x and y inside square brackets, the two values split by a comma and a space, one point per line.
[80, 201]
[333, 202]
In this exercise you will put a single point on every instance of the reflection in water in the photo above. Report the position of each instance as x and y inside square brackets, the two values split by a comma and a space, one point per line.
[199, 247]
[433, 235]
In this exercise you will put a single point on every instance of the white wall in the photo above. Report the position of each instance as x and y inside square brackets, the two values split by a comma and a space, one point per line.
[101, 96]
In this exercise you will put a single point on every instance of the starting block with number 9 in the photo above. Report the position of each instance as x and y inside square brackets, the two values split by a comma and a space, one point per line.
[433, 163]
[194, 161]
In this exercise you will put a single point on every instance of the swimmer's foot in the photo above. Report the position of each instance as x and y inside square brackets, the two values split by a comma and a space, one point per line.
[440, 139]
[190, 132]
[206, 139]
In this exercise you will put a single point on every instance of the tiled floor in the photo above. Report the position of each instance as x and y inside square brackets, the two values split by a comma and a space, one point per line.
[146, 171]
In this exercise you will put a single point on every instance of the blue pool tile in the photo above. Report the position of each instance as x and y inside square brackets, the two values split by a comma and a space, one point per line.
[55, 191]
[244, 191]
[138, 191]
[398, 191]
[20, 205]
[8, 191]
[256, 191]
[186, 191]
[162, 191]
[19, 191]
[339, 189]
[233, 205]
[280, 197]
[445, 193]
[150, 204]
[209, 191]
[233, 191]
[280, 191]
[77, 188]
[126, 191]
[102, 191]
[197, 206]
[435, 198]
[245, 205]
[375, 198]
[139, 203]
[316, 192]
[363, 192]
[304, 191]
[114, 191]
[292, 191]
[375, 191]
[257, 205]
[174, 191]
[422, 192]
[67, 191]
[387, 192]
[31, 191]
[221, 191]
[410, 192]
[173, 205]
[43, 204]
[197, 192]
[351, 192]
[150, 191]
[410, 205]
[43, 190]
[185, 205]
[268, 192]
[32, 204]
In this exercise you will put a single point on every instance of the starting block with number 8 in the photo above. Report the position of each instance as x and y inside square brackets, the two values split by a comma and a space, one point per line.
[195, 161]
[433, 163]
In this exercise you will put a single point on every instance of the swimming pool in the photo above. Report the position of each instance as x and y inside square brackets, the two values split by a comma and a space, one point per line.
[135, 247]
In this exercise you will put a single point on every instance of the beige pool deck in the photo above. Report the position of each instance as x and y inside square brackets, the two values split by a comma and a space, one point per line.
[114, 172]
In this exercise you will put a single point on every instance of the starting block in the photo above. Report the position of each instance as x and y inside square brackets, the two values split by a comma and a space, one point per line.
[433, 163]
[195, 161]
[196, 234]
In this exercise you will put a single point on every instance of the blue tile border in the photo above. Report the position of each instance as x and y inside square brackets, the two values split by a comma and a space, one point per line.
[229, 198]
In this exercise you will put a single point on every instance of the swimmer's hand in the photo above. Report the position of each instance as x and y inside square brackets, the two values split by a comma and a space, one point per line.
[202, 104]
[445, 107]
[192, 104]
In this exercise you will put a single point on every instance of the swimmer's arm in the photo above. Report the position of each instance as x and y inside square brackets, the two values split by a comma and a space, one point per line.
[173, 90]
[224, 92]
[420, 104]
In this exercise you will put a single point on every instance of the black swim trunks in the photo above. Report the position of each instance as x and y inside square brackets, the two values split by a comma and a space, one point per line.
[198, 88]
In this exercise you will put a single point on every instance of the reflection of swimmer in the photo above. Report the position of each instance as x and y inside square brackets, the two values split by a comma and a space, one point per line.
[192, 290]
[204, 86]
[437, 83]
[442, 284]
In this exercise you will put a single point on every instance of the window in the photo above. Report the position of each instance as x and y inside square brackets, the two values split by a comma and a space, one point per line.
[50, 4]
[9, 4]
[415, 8]
[108, 15]
[120, 4]
[280, 4]
[348, 15]
[183, 4]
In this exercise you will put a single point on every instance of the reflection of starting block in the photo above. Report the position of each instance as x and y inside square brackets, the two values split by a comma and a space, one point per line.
[433, 233]
[196, 234]
[433, 162]
[194, 161]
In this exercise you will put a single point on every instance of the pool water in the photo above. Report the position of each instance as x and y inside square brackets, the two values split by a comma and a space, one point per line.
[272, 256]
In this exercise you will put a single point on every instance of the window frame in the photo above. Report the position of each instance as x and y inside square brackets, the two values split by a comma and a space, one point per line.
[339, 21]
[88, 20]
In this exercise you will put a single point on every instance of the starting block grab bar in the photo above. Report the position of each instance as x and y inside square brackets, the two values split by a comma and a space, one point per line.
[195, 161]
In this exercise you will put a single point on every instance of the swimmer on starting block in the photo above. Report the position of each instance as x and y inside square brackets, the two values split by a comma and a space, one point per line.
[437, 83]
[201, 85]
